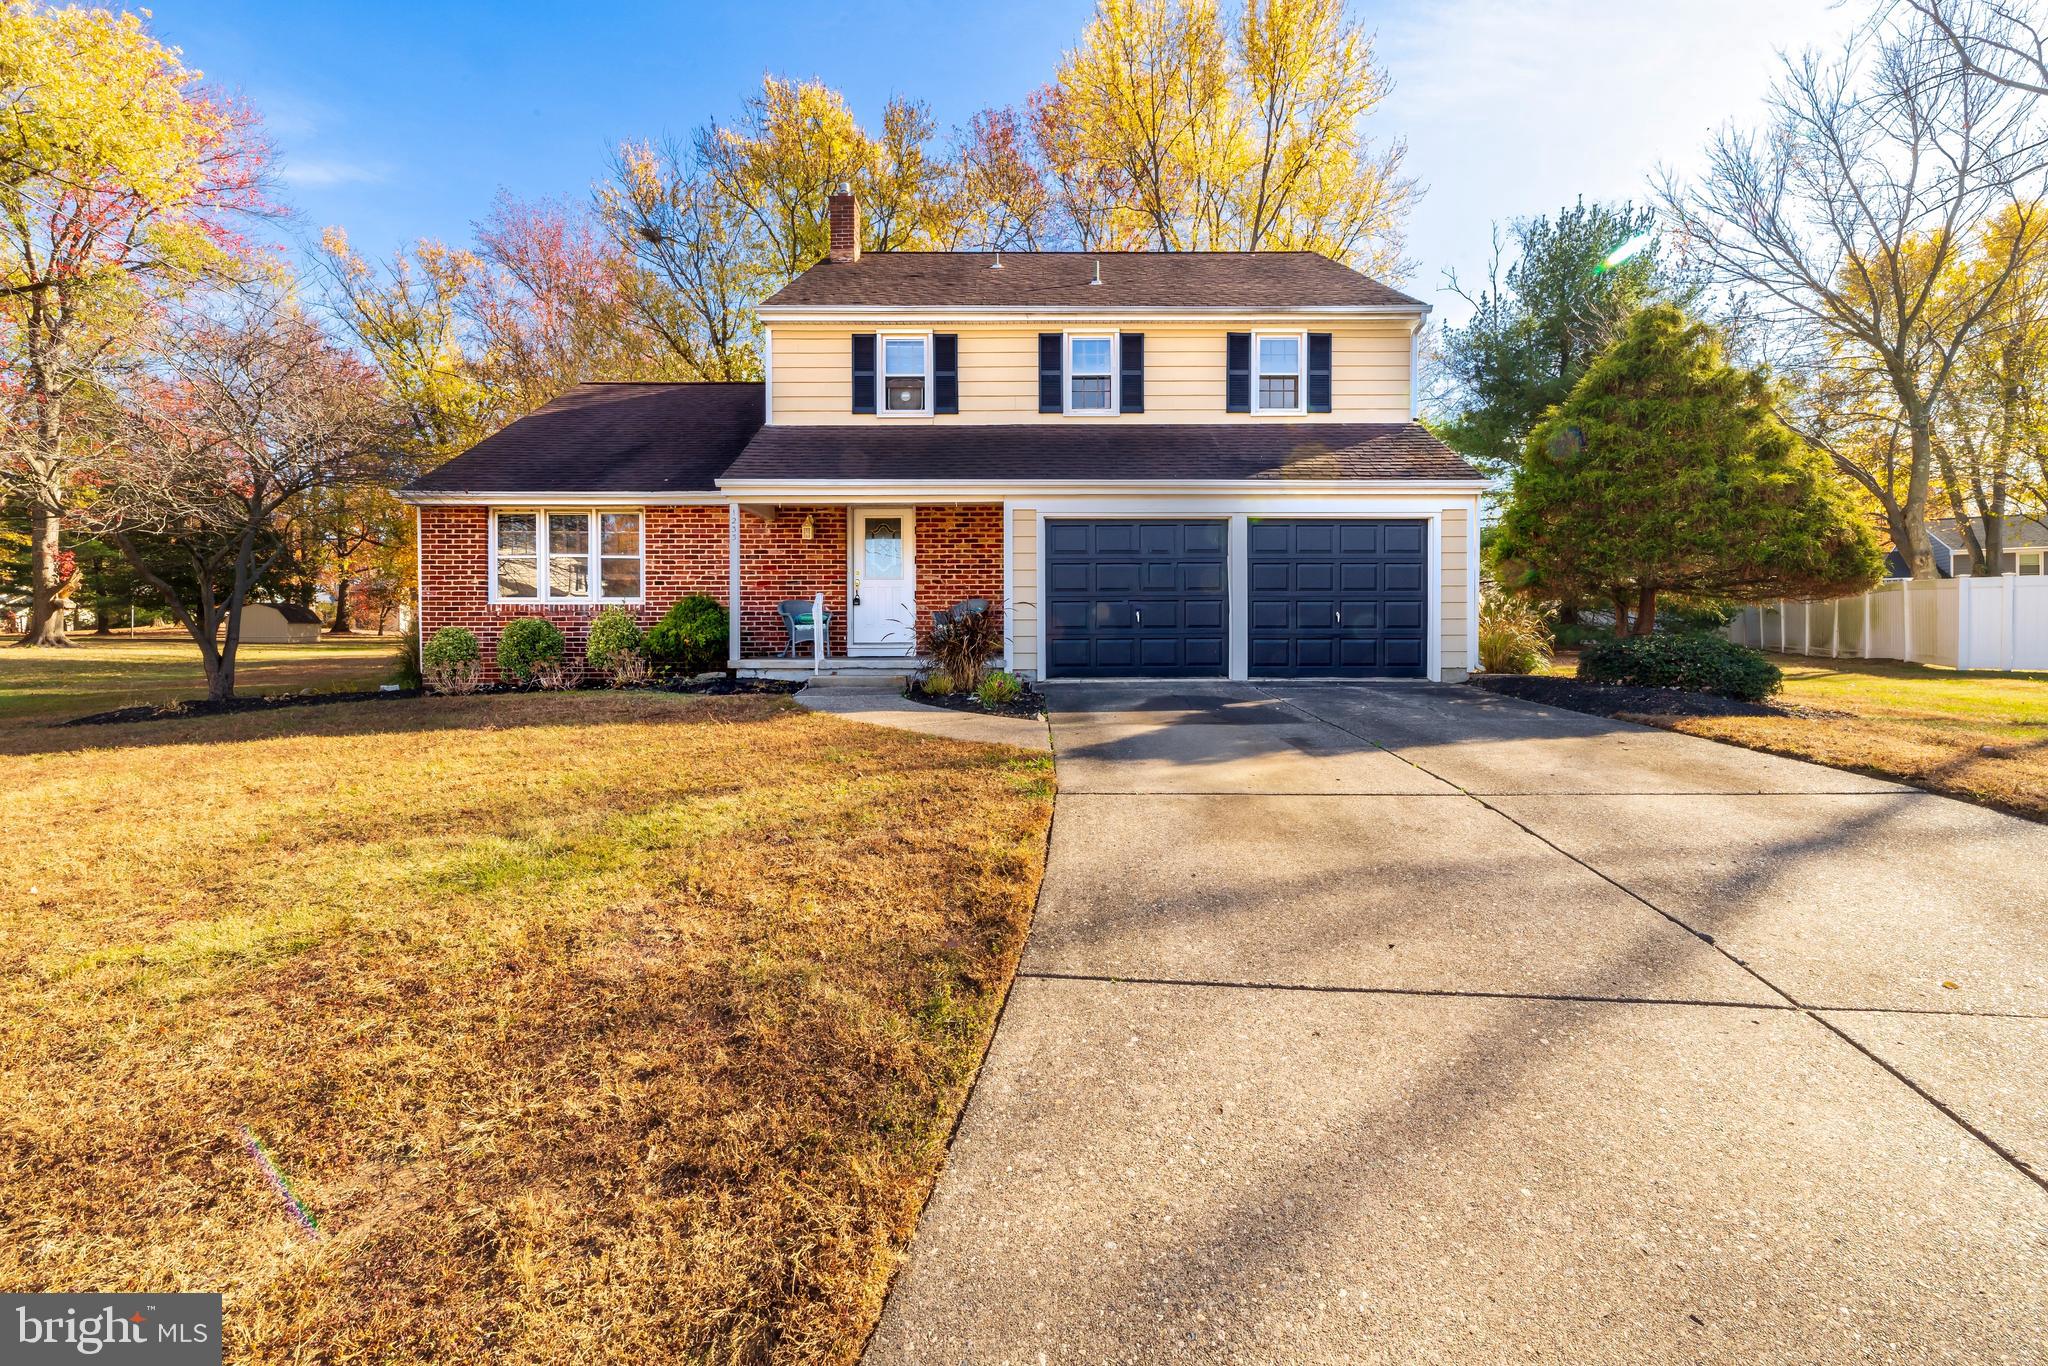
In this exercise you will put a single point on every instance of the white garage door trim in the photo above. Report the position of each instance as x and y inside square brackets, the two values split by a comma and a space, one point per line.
[1239, 509]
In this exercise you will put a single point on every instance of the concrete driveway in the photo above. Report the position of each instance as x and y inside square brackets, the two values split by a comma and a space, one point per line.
[1408, 1022]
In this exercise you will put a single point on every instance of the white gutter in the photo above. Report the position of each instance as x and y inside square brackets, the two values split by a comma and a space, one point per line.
[785, 489]
[696, 498]
[997, 312]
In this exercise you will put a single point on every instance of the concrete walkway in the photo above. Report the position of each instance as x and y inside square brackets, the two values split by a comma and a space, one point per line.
[884, 705]
[1411, 1022]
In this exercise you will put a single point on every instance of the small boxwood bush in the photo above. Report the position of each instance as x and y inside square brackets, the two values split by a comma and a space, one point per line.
[528, 643]
[691, 636]
[451, 645]
[614, 636]
[1695, 662]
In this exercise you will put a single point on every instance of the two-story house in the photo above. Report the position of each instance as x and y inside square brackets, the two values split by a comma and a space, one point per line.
[1156, 464]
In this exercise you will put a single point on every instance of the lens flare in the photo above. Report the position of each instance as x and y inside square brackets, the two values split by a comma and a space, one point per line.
[1635, 246]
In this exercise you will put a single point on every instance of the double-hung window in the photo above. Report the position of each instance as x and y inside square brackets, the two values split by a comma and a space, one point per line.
[1277, 383]
[906, 376]
[566, 555]
[1091, 374]
[2029, 562]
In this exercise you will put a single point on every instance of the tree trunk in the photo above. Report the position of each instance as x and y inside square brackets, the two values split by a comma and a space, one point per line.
[1917, 550]
[1646, 610]
[46, 612]
[344, 618]
[1620, 614]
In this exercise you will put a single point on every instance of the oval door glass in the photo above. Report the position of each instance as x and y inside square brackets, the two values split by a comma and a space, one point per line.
[882, 550]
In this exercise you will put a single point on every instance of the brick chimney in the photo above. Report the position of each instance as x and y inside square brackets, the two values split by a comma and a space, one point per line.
[842, 211]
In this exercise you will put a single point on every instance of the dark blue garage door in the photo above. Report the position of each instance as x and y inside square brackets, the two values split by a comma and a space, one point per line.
[1136, 599]
[1339, 598]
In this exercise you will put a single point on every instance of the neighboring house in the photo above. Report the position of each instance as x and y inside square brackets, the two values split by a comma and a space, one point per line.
[279, 623]
[2025, 549]
[1194, 465]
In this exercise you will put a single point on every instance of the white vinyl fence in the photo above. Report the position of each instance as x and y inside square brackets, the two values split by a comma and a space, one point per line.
[1964, 623]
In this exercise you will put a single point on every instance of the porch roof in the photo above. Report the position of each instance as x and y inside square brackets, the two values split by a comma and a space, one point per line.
[1310, 451]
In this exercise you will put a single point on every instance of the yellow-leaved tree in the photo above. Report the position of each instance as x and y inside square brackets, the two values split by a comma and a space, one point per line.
[121, 179]
[1177, 127]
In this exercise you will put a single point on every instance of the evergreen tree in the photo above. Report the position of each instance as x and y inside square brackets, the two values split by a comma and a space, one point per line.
[1532, 334]
[1666, 472]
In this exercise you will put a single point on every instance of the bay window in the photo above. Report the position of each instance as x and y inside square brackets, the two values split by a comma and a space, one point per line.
[566, 555]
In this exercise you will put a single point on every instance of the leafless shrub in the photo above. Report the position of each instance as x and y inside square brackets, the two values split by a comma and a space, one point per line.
[629, 669]
[456, 679]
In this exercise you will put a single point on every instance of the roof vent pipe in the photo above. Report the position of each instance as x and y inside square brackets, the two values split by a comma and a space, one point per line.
[1098, 274]
[997, 264]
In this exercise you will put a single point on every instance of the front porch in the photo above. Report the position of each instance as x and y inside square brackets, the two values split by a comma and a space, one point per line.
[879, 571]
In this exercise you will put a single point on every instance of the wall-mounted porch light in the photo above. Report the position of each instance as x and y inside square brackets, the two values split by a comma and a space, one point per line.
[810, 528]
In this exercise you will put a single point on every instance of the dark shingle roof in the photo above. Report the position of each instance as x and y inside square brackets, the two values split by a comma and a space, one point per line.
[610, 438]
[1061, 279]
[295, 614]
[1288, 451]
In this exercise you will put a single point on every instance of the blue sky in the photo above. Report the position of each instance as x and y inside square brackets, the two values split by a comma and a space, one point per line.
[401, 121]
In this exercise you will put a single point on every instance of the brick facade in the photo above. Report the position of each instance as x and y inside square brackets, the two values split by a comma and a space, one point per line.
[776, 562]
[959, 556]
[684, 549]
[959, 553]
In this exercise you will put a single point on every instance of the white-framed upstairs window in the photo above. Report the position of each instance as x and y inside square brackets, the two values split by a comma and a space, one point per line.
[1279, 372]
[567, 555]
[1091, 372]
[2028, 562]
[906, 375]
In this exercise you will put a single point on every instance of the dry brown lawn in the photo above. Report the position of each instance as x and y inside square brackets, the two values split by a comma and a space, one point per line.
[1979, 736]
[100, 673]
[587, 1027]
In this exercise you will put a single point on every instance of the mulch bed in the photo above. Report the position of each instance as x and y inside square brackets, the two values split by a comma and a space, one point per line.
[178, 711]
[1029, 706]
[1609, 699]
[709, 685]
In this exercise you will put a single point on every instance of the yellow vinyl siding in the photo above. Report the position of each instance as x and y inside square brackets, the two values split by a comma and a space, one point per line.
[1184, 372]
[1024, 590]
[1457, 604]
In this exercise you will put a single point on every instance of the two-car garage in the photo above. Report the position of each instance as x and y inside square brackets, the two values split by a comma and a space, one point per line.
[1150, 597]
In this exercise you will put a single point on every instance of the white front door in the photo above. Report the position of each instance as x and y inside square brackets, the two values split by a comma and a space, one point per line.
[884, 582]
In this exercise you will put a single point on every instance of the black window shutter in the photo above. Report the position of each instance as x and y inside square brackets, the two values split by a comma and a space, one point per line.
[1319, 372]
[1131, 384]
[1237, 373]
[863, 372]
[1052, 378]
[945, 372]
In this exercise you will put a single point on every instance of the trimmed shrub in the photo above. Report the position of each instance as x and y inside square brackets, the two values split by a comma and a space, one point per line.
[451, 645]
[527, 643]
[614, 643]
[1696, 663]
[965, 646]
[999, 688]
[1511, 636]
[691, 636]
[450, 661]
[937, 683]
